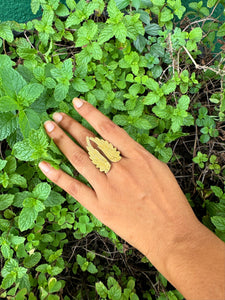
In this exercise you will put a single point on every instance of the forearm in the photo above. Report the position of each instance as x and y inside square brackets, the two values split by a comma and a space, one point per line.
[197, 268]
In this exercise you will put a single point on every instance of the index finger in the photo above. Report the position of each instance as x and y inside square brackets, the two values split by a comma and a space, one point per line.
[104, 126]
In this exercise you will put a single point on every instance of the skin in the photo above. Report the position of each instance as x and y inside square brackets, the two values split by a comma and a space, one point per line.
[141, 201]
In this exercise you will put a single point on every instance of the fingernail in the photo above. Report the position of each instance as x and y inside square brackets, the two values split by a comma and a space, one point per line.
[57, 117]
[49, 126]
[78, 102]
[44, 167]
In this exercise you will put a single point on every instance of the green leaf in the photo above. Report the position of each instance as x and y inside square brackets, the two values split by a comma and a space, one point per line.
[219, 222]
[35, 4]
[16, 179]
[38, 139]
[5, 201]
[54, 285]
[42, 191]
[92, 268]
[23, 150]
[8, 280]
[27, 218]
[221, 31]
[211, 3]
[54, 199]
[2, 164]
[28, 119]
[8, 124]
[101, 289]
[6, 32]
[183, 103]
[61, 91]
[152, 29]
[12, 82]
[8, 104]
[80, 85]
[32, 260]
[196, 34]
[29, 93]
[114, 292]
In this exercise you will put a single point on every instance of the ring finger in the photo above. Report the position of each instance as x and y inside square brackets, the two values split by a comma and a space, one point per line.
[77, 156]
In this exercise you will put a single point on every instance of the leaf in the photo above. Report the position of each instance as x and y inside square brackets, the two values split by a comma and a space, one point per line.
[41, 191]
[38, 139]
[54, 199]
[54, 285]
[28, 119]
[196, 34]
[16, 179]
[92, 268]
[29, 93]
[8, 104]
[32, 260]
[27, 218]
[8, 124]
[12, 82]
[5, 201]
[221, 31]
[140, 43]
[61, 91]
[23, 151]
[6, 32]
[211, 3]
[152, 29]
[183, 102]
[2, 164]
[219, 222]
[80, 85]
[101, 289]
[35, 4]
[8, 280]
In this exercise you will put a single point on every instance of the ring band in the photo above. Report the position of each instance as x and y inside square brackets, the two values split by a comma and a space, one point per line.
[111, 154]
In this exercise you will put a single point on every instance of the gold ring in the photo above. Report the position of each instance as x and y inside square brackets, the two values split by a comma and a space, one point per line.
[111, 154]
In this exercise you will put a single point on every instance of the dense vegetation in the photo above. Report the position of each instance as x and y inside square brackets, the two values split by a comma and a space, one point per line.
[152, 69]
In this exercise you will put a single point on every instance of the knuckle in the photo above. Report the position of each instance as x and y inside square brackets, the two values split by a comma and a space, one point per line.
[73, 189]
[78, 158]
[56, 176]
[107, 126]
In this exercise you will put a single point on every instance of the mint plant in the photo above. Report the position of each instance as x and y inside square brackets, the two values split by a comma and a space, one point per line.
[140, 67]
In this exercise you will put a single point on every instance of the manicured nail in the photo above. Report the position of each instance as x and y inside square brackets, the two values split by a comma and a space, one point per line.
[57, 117]
[78, 102]
[44, 167]
[49, 126]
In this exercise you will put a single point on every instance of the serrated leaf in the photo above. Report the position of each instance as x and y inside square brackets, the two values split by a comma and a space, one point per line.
[106, 34]
[101, 289]
[8, 280]
[5, 201]
[28, 119]
[221, 30]
[196, 34]
[8, 104]
[54, 285]
[23, 150]
[27, 218]
[54, 199]
[61, 91]
[12, 82]
[38, 140]
[41, 191]
[35, 4]
[152, 29]
[29, 93]
[80, 85]
[16, 179]
[32, 260]
[6, 32]
[219, 222]
[2, 164]
[8, 124]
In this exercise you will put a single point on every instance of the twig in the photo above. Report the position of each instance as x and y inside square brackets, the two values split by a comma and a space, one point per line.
[204, 68]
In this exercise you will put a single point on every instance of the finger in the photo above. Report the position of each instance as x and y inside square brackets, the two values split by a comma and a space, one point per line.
[74, 128]
[77, 156]
[104, 126]
[82, 193]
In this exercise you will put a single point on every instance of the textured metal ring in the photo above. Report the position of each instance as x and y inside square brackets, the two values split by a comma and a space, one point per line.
[111, 154]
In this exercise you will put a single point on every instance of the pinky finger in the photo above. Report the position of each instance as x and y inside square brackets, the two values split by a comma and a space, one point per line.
[82, 193]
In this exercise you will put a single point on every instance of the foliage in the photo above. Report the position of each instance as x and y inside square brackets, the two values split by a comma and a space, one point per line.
[150, 75]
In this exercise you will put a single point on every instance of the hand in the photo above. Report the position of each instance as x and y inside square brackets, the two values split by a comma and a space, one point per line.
[139, 198]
